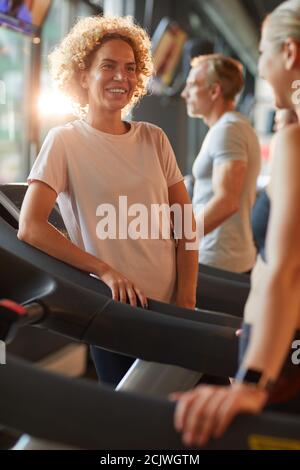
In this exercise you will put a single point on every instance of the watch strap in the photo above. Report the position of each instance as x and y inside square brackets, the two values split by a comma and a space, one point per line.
[254, 377]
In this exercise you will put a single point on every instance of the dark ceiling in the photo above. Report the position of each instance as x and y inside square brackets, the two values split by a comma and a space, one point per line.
[258, 9]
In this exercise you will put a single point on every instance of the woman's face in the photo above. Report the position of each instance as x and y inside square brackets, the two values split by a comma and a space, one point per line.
[111, 79]
[273, 68]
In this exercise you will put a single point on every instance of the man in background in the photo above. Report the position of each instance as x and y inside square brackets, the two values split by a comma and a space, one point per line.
[227, 166]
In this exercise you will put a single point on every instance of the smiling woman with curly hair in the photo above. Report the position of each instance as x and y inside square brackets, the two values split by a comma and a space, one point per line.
[104, 64]
[78, 48]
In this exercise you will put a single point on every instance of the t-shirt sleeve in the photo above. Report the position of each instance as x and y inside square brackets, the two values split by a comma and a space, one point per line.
[168, 160]
[50, 165]
[228, 143]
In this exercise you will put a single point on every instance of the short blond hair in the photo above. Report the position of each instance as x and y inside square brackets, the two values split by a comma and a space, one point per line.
[76, 51]
[225, 70]
[283, 23]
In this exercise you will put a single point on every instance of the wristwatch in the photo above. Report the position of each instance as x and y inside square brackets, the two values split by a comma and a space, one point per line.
[254, 377]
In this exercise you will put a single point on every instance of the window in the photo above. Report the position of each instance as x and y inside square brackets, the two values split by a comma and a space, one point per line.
[14, 53]
[54, 109]
[27, 107]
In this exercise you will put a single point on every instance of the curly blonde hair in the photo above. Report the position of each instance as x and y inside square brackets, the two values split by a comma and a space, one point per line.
[76, 51]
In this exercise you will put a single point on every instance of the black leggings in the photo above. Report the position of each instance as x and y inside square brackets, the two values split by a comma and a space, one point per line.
[111, 367]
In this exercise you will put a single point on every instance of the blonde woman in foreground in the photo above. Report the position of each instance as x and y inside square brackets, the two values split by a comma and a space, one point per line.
[269, 372]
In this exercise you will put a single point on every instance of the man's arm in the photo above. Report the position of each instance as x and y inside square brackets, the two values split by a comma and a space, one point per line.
[228, 182]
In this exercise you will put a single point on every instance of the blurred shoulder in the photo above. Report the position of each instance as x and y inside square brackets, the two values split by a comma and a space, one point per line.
[149, 128]
[287, 141]
[63, 130]
[287, 151]
[290, 134]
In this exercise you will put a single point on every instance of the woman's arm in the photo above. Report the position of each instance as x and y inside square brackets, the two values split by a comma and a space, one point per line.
[278, 315]
[35, 229]
[208, 411]
[187, 258]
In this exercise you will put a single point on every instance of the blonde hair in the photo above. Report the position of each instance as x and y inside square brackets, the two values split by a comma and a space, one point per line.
[225, 70]
[283, 23]
[76, 51]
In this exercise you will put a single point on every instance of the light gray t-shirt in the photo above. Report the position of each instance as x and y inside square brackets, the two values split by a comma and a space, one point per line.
[230, 246]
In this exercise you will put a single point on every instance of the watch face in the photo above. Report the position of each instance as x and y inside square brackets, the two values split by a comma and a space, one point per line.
[252, 376]
[255, 377]
[249, 375]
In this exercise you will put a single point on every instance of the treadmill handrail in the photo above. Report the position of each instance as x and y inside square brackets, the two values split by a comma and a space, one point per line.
[91, 416]
[10, 206]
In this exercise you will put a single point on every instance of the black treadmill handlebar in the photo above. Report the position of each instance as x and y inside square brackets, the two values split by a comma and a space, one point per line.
[131, 331]
[13, 315]
[91, 416]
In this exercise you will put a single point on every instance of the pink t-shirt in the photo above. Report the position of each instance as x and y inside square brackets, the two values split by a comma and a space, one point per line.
[88, 168]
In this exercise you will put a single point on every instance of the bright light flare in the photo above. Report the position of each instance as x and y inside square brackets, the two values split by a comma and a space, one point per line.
[54, 103]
